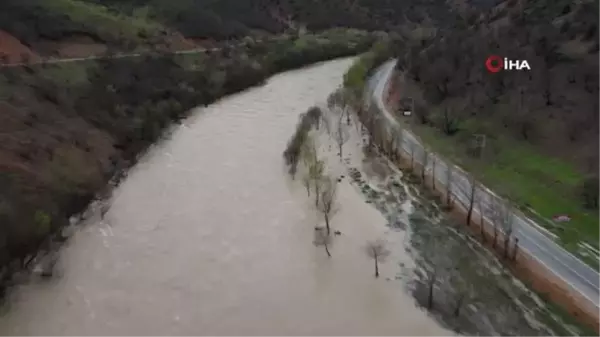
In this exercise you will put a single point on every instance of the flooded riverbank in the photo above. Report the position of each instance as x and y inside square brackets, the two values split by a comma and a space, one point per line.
[208, 235]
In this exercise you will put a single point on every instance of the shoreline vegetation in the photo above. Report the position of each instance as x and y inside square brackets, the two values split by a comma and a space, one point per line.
[505, 250]
[68, 129]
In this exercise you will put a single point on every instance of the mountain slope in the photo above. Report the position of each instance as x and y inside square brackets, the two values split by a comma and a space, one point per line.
[541, 126]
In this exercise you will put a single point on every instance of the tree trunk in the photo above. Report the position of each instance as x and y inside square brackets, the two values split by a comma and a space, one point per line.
[433, 174]
[327, 224]
[471, 203]
[481, 224]
[470, 212]
[430, 297]
[459, 303]
[327, 250]
[376, 267]
[506, 242]
[515, 249]
[341, 145]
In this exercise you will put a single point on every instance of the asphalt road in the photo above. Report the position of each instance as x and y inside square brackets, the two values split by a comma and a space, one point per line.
[563, 264]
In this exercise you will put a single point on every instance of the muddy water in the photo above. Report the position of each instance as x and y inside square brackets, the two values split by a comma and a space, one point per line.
[208, 235]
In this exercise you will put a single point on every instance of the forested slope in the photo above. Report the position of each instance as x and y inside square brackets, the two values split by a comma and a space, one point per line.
[128, 24]
[541, 126]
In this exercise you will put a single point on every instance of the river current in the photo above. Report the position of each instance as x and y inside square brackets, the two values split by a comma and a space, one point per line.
[209, 235]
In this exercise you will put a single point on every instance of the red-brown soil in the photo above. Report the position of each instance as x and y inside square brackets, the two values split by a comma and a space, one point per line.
[72, 47]
[14, 50]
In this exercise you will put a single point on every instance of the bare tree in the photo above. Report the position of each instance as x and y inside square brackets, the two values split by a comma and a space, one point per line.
[378, 251]
[480, 206]
[433, 162]
[306, 181]
[502, 216]
[323, 239]
[432, 275]
[515, 249]
[424, 168]
[104, 208]
[464, 292]
[497, 216]
[412, 148]
[393, 147]
[335, 98]
[316, 175]
[327, 203]
[341, 136]
[471, 195]
[309, 158]
[371, 123]
[508, 232]
[449, 177]
[314, 166]
[397, 141]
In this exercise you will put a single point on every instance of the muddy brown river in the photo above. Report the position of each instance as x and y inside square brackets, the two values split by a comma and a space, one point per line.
[208, 235]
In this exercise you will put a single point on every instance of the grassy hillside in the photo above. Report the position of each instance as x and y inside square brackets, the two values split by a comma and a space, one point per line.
[37, 21]
[77, 28]
[541, 126]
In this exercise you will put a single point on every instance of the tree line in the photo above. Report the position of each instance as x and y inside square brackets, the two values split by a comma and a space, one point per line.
[302, 156]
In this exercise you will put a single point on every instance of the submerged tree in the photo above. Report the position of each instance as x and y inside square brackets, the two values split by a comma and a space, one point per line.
[327, 201]
[340, 134]
[378, 251]
[316, 174]
[309, 159]
[432, 275]
[314, 168]
[323, 239]
[306, 181]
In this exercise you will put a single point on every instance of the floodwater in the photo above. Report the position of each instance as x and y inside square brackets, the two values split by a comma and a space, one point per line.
[208, 235]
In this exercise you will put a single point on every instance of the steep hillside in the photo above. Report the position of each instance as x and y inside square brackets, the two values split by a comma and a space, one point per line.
[72, 28]
[76, 28]
[541, 126]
